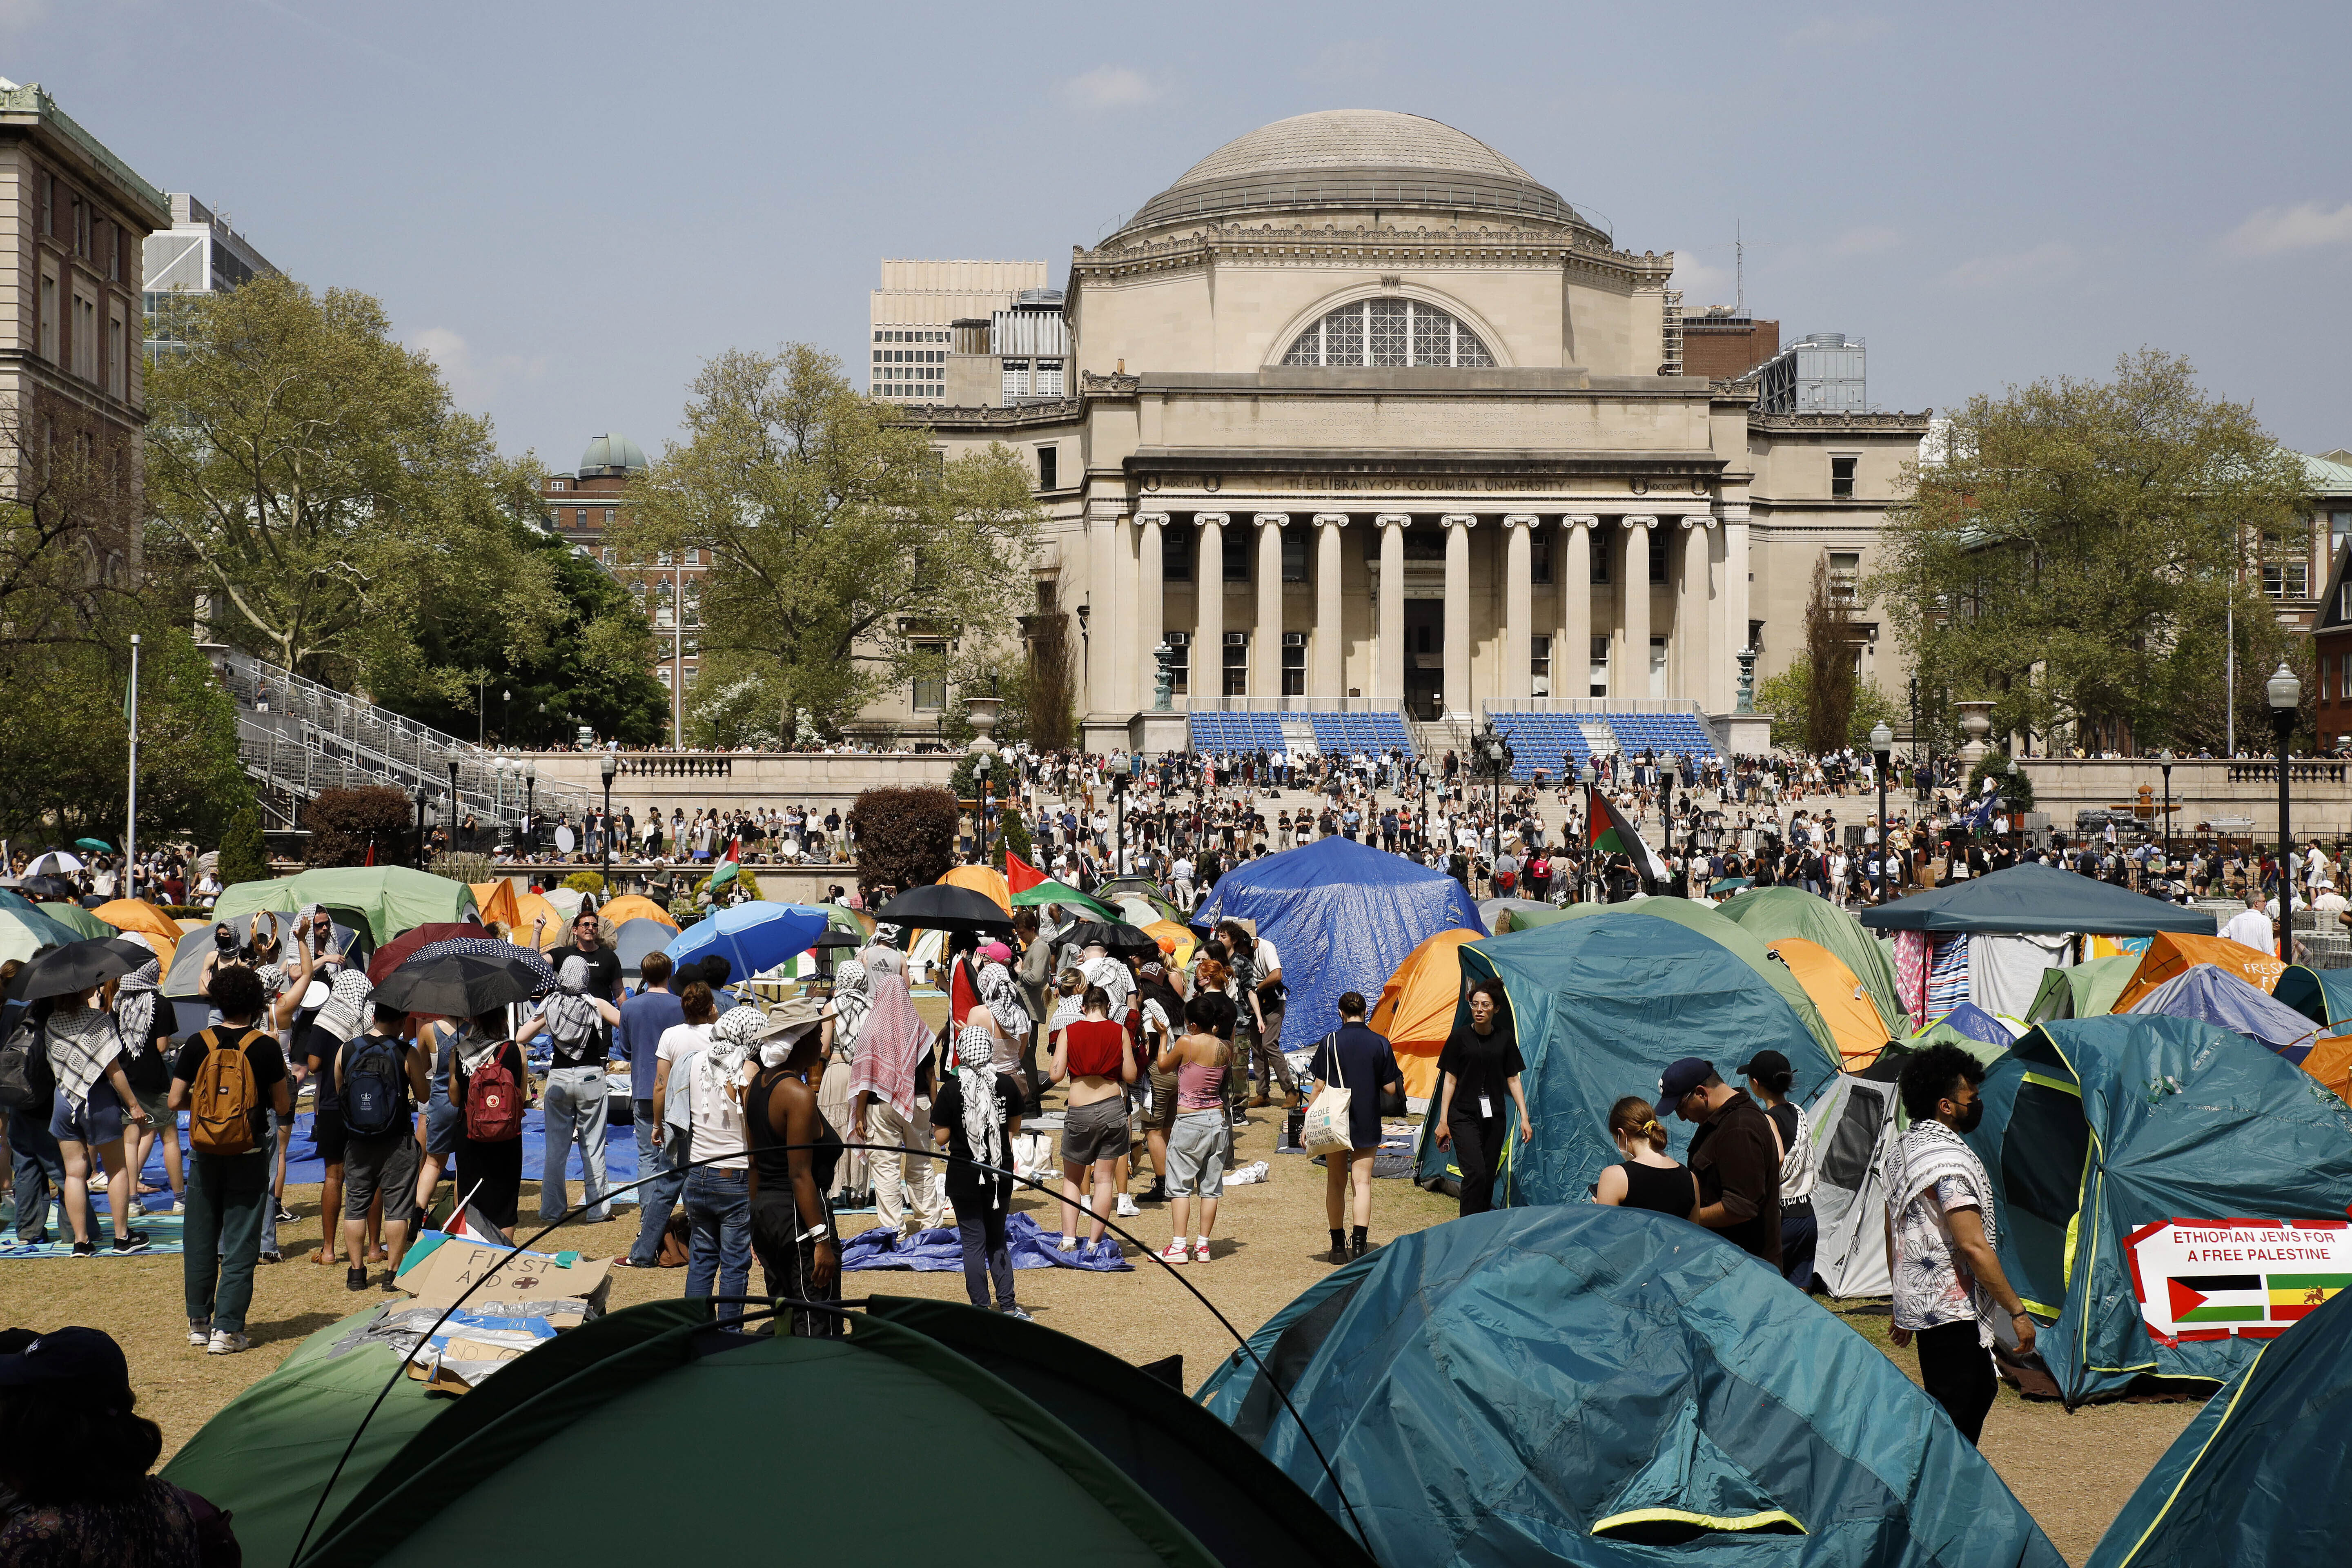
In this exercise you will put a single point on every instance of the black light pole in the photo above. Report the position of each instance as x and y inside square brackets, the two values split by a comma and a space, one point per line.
[529, 822]
[419, 862]
[2285, 693]
[1882, 746]
[1585, 774]
[607, 764]
[1916, 796]
[454, 815]
[2164, 762]
[980, 770]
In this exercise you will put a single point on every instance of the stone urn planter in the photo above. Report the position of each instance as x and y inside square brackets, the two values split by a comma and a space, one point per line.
[1976, 723]
[982, 711]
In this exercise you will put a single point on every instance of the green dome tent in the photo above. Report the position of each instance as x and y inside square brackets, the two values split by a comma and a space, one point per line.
[1601, 1003]
[1771, 913]
[2100, 1132]
[2084, 990]
[1602, 1386]
[388, 899]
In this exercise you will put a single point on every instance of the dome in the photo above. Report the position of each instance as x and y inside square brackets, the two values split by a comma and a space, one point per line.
[1359, 160]
[611, 454]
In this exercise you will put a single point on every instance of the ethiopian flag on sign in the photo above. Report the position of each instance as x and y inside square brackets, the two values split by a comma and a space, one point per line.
[1608, 832]
[2296, 1296]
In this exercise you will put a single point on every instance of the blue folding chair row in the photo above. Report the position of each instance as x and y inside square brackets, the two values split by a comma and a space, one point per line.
[1541, 741]
[1371, 733]
[1677, 734]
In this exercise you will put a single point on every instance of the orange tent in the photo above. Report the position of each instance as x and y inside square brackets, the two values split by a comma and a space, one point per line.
[530, 907]
[2330, 1061]
[497, 901]
[1167, 931]
[138, 915]
[1844, 1002]
[1417, 1006]
[981, 879]
[2170, 953]
[636, 907]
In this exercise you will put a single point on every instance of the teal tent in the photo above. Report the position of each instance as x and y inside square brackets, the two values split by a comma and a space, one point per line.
[2258, 1479]
[2038, 898]
[2095, 1129]
[2322, 995]
[1601, 1005]
[1771, 913]
[1602, 1386]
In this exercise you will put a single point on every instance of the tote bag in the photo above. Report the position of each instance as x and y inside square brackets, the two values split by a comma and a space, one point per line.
[1326, 1127]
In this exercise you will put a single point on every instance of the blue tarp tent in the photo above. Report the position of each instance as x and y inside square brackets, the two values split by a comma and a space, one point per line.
[2258, 1479]
[1969, 1021]
[2096, 1129]
[1601, 1005]
[1580, 1384]
[2214, 996]
[1341, 916]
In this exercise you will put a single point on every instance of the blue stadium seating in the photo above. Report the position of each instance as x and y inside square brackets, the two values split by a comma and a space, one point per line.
[1538, 740]
[1676, 734]
[1371, 733]
[1340, 733]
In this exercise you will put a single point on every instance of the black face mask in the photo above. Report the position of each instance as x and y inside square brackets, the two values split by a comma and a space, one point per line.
[1970, 1117]
[225, 941]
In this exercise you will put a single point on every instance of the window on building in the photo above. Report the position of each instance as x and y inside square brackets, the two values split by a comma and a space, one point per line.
[692, 603]
[1657, 554]
[580, 517]
[555, 484]
[1049, 377]
[1180, 662]
[694, 555]
[1294, 664]
[2340, 528]
[608, 517]
[1237, 665]
[1016, 378]
[611, 557]
[1845, 576]
[84, 336]
[49, 349]
[1842, 477]
[662, 558]
[1596, 682]
[1237, 555]
[931, 691]
[1049, 468]
[1293, 554]
[2286, 566]
[1539, 666]
[1601, 551]
[116, 377]
[1176, 547]
[1538, 555]
[1657, 666]
[1389, 332]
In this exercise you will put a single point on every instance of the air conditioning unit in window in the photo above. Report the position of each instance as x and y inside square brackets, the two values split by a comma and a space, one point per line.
[1237, 639]
[1293, 640]
[1180, 639]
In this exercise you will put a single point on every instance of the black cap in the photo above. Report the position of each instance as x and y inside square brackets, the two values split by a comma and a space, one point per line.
[1763, 1064]
[86, 1356]
[1680, 1078]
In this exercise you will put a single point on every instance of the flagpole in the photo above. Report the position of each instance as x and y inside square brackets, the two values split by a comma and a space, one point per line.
[130, 821]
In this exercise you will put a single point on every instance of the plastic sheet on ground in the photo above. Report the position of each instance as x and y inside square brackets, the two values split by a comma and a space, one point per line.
[941, 1250]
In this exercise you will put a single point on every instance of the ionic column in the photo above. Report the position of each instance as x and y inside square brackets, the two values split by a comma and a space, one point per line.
[1632, 679]
[1575, 607]
[1209, 606]
[1389, 684]
[1266, 641]
[1457, 527]
[1152, 615]
[1518, 611]
[1693, 648]
[1733, 604]
[1329, 677]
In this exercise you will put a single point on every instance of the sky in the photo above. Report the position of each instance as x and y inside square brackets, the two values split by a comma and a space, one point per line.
[571, 206]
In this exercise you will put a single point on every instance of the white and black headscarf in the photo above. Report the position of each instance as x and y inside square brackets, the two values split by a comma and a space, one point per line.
[983, 1113]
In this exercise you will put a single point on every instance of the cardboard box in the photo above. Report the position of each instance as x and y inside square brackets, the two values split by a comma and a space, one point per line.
[530, 1283]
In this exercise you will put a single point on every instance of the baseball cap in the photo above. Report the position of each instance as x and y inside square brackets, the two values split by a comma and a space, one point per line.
[67, 1355]
[1763, 1063]
[1680, 1078]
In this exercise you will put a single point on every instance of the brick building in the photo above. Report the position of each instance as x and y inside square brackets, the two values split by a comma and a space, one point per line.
[1723, 344]
[583, 508]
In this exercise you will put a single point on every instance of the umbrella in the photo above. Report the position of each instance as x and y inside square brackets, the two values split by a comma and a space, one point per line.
[56, 860]
[836, 937]
[633, 939]
[26, 932]
[1052, 892]
[458, 984]
[944, 907]
[78, 918]
[78, 966]
[96, 846]
[753, 937]
[47, 888]
[1114, 937]
[138, 915]
[406, 946]
[543, 973]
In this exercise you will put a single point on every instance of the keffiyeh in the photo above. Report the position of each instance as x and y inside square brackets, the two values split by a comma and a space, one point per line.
[1000, 993]
[571, 1014]
[851, 1001]
[81, 1043]
[344, 1012]
[892, 1042]
[135, 996]
[983, 1113]
[733, 1038]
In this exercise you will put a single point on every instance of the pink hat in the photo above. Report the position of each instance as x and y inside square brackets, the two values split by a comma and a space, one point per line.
[996, 953]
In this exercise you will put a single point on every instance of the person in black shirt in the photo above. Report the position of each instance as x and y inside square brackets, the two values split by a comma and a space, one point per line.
[1479, 1064]
[1645, 1178]
[974, 1128]
[795, 1153]
[587, 943]
[1735, 1152]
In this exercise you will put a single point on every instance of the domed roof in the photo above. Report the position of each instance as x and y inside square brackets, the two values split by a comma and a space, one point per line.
[1360, 159]
[611, 454]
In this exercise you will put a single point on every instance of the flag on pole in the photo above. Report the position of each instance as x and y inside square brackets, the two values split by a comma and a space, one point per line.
[1607, 831]
[1019, 875]
[735, 850]
[467, 1223]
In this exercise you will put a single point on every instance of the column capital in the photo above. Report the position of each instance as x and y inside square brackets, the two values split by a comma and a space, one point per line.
[1271, 518]
[1459, 520]
[1145, 517]
[1521, 519]
[1110, 511]
[1580, 520]
[1392, 519]
[1698, 520]
[1212, 518]
[1330, 520]
[1637, 520]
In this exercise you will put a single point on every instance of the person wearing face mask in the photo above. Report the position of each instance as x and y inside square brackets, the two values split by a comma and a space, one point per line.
[1951, 1296]
[1479, 1068]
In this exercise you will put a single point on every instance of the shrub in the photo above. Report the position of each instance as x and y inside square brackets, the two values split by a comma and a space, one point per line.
[1013, 835]
[471, 869]
[341, 821]
[751, 885]
[904, 837]
[243, 857]
[2016, 789]
[590, 882]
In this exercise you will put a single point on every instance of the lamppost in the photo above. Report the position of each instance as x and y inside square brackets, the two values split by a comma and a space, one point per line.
[455, 815]
[2285, 693]
[607, 764]
[1882, 749]
[1585, 775]
[1917, 794]
[422, 796]
[500, 769]
[529, 792]
[980, 771]
[2164, 761]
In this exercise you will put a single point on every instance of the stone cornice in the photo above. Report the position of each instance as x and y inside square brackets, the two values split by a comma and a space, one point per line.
[1300, 245]
[1025, 415]
[1830, 424]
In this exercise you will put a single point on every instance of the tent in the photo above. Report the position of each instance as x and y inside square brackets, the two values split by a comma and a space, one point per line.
[2257, 1479]
[79, 920]
[2322, 995]
[636, 937]
[530, 909]
[2084, 990]
[496, 900]
[1180, 938]
[1597, 1385]
[1601, 1005]
[388, 898]
[1342, 916]
[447, 1495]
[1965, 1025]
[143, 919]
[2208, 992]
[2037, 898]
[628, 907]
[1417, 1004]
[981, 879]
[567, 903]
[2097, 1133]
[1845, 1003]
[24, 932]
[2329, 1063]
[1735, 939]
[1774, 912]
[2171, 953]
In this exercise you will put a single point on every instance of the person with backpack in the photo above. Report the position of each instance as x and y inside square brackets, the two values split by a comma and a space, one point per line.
[94, 1100]
[229, 1079]
[573, 1094]
[378, 1077]
[489, 1088]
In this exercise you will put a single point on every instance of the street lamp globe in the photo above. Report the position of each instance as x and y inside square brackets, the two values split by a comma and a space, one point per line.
[531, 773]
[2286, 691]
[608, 765]
[1882, 738]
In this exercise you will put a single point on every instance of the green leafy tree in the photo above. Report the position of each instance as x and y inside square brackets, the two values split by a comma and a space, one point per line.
[343, 823]
[841, 550]
[1831, 656]
[243, 856]
[2074, 553]
[1012, 835]
[1788, 697]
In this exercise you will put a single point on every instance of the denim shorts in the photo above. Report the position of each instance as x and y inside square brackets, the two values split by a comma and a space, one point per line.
[444, 1124]
[99, 1121]
[1196, 1154]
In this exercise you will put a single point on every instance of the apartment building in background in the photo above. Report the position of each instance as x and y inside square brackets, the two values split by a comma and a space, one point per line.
[912, 315]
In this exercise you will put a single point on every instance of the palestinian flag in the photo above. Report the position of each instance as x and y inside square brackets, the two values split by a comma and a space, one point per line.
[1609, 832]
[2218, 1298]
[2298, 1296]
[1019, 875]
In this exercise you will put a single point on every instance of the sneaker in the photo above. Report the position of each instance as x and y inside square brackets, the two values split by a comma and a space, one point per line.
[1127, 1209]
[1174, 1252]
[354, 1278]
[271, 1258]
[85, 1249]
[1068, 1244]
[131, 1241]
[200, 1331]
[633, 1263]
[284, 1214]
[1156, 1194]
[1201, 1252]
[1010, 1310]
[223, 1343]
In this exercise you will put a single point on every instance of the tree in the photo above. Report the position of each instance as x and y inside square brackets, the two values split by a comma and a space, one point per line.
[344, 822]
[904, 837]
[1788, 697]
[1832, 651]
[844, 555]
[1012, 835]
[243, 856]
[2072, 555]
[327, 499]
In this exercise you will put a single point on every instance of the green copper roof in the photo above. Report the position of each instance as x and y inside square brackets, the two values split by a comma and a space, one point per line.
[32, 99]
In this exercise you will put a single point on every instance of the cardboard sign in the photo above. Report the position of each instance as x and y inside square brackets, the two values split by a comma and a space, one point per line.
[531, 1282]
[2250, 1278]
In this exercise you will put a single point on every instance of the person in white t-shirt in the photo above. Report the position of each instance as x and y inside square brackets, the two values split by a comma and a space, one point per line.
[2250, 927]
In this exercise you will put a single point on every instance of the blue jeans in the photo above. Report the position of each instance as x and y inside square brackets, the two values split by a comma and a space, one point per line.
[40, 1174]
[657, 1198]
[718, 1206]
[572, 1104]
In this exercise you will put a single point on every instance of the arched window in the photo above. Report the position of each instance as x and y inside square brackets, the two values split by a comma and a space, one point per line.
[1389, 332]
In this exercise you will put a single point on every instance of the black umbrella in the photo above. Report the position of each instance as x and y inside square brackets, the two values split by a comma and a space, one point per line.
[942, 906]
[460, 984]
[836, 937]
[1113, 938]
[48, 888]
[79, 966]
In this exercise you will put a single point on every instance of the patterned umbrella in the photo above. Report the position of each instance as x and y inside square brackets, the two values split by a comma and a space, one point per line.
[542, 977]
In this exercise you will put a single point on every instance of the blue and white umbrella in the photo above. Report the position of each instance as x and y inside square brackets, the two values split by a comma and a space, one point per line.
[753, 937]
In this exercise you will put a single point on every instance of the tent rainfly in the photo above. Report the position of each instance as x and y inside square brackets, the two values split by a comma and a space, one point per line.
[2039, 899]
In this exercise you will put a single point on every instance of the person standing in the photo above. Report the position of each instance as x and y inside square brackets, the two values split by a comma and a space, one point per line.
[145, 1019]
[1096, 1056]
[228, 1186]
[379, 1077]
[94, 1102]
[573, 1097]
[645, 1017]
[1645, 1178]
[1479, 1065]
[1201, 1061]
[489, 1088]
[717, 1160]
[793, 1152]
[890, 1098]
[1355, 1058]
[975, 1117]
[2250, 927]
[1736, 1153]
[1950, 1292]
[589, 946]
[1768, 1078]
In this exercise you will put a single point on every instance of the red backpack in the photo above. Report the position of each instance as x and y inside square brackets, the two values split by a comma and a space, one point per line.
[493, 1100]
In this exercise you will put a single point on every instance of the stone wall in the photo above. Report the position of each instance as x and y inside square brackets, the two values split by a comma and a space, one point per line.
[2204, 791]
[690, 781]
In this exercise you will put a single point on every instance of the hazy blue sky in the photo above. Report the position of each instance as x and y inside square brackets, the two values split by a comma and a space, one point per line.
[571, 206]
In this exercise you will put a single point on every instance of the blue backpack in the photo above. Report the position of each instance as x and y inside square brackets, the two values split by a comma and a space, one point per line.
[373, 1086]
